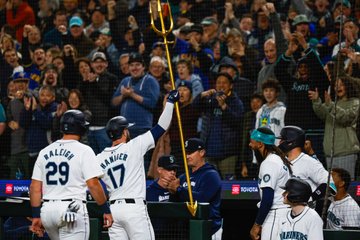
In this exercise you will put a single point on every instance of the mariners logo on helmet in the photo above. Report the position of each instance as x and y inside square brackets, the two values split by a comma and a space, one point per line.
[115, 127]
[73, 122]
[299, 191]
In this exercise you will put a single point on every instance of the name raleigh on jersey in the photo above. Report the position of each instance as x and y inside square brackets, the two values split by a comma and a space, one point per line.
[62, 152]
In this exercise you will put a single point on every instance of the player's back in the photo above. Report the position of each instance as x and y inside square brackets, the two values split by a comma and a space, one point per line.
[274, 174]
[310, 170]
[63, 167]
[123, 167]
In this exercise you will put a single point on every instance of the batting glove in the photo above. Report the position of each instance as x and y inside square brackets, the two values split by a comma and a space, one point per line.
[174, 96]
[70, 215]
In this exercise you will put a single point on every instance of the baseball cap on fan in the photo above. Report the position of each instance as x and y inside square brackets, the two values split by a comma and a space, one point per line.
[21, 77]
[301, 18]
[76, 21]
[136, 57]
[186, 84]
[194, 144]
[98, 55]
[168, 162]
[208, 21]
[345, 3]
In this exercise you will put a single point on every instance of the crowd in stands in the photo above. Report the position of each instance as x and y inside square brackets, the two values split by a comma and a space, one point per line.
[238, 65]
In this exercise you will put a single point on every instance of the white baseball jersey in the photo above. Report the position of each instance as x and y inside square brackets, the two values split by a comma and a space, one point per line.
[274, 174]
[124, 176]
[123, 167]
[64, 167]
[307, 225]
[343, 213]
[310, 170]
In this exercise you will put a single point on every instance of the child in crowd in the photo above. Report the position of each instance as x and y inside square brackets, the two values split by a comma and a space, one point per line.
[272, 113]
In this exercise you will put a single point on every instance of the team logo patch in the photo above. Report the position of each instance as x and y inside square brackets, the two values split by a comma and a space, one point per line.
[266, 178]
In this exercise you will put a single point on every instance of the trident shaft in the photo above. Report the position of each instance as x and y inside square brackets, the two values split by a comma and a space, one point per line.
[164, 33]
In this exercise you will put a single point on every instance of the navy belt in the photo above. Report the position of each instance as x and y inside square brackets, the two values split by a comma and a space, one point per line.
[62, 200]
[127, 200]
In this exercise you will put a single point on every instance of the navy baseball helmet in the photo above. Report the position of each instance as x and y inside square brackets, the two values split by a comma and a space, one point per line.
[292, 137]
[299, 191]
[115, 127]
[73, 122]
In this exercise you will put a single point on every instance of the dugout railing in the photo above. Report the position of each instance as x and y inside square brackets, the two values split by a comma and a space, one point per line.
[199, 225]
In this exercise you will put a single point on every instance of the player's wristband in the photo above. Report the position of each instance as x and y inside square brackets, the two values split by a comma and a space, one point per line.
[105, 208]
[35, 212]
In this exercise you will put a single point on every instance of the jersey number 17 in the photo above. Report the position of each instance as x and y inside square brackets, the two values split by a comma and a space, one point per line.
[114, 172]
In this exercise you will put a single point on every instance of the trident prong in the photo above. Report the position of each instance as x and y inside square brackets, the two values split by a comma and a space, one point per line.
[192, 207]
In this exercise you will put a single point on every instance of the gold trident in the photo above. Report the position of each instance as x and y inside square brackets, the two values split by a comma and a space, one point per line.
[164, 33]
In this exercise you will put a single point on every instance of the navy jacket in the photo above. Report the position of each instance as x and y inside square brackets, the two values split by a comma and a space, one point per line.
[37, 123]
[155, 193]
[223, 131]
[206, 187]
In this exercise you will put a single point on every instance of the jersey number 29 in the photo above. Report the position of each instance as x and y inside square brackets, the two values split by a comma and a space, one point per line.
[113, 171]
[62, 168]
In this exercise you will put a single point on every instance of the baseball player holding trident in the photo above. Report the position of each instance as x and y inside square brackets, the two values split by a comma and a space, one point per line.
[124, 174]
[274, 172]
[61, 174]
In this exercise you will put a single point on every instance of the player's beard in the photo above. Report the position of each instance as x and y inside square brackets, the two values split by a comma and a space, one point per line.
[259, 157]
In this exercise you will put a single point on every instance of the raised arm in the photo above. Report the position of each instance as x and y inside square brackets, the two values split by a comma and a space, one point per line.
[166, 116]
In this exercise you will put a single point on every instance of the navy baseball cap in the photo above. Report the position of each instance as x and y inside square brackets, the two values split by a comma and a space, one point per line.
[194, 144]
[136, 57]
[168, 162]
[187, 84]
[158, 44]
[21, 77]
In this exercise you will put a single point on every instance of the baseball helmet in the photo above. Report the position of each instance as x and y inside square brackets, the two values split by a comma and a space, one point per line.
[115, 127]
[292, 137]
[73, 122]
[299, 191]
